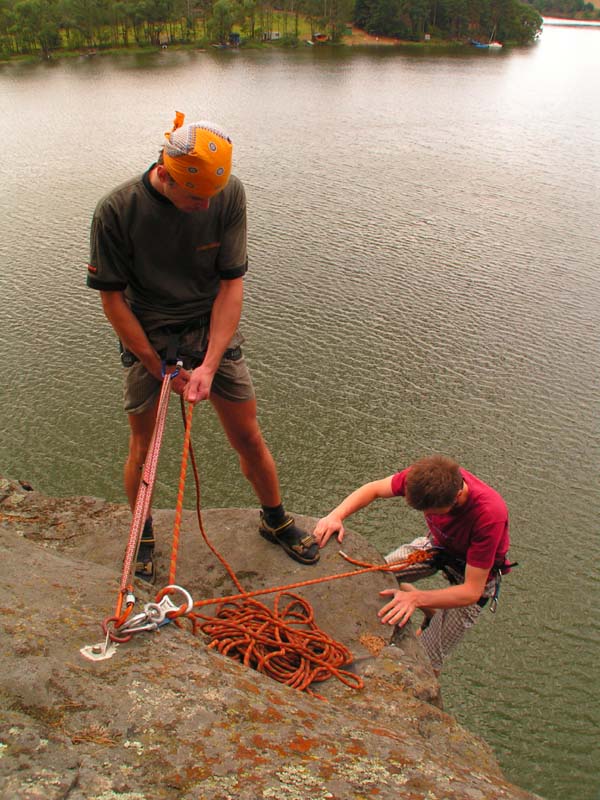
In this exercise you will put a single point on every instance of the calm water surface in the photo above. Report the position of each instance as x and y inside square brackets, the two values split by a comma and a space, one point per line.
[424, 277]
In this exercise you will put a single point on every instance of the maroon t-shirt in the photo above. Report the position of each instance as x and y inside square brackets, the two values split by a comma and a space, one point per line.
[477, 531]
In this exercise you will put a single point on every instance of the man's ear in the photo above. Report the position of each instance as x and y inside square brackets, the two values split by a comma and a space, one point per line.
[162, 174]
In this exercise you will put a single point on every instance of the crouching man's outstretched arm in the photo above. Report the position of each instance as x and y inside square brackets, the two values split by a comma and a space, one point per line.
[359, 498]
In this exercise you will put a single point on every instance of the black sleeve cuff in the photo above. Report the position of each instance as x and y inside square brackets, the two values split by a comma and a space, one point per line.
[234, 272]
[104, 286]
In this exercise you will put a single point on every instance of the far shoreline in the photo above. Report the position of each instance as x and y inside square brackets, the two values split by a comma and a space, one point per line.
[357, 38]
[353, 41]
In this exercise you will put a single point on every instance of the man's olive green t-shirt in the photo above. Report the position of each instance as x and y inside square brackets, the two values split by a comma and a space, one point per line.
[168, 263]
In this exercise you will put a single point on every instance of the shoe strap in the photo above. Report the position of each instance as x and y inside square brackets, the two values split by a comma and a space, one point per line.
[280, 528]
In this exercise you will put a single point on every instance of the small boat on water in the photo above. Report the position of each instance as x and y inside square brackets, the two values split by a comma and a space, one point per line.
[318, 38]
[486, 45]
[492, 44]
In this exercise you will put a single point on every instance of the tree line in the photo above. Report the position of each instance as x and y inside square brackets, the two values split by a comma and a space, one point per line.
[503, 20]
[45, 26]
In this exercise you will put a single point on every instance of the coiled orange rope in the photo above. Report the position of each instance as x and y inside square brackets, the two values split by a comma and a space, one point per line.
[286, 644]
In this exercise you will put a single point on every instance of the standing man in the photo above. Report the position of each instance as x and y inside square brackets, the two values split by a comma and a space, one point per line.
[468, 538]
[168, 256]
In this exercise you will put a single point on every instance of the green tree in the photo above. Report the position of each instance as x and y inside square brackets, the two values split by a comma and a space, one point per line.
[225, 14]
[383, 18]
[523, 23]
[339, 13]
[7, 21]
[36, 25]
[419, 13]
[88, 19]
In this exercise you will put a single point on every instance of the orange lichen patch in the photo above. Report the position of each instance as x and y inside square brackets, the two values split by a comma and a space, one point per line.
[374, 644]
[386, 733]
[262, 743]
[190, 776]
[161, 670]
[267, 715]
[199, 773]
[278, 701]
[302, 745]
[248, 686]
[244, 753]
[356, 748]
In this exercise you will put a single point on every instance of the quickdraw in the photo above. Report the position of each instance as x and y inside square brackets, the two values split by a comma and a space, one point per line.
[126, 597]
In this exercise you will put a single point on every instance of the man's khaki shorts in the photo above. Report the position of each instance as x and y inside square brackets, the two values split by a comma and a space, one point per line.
[232, 380]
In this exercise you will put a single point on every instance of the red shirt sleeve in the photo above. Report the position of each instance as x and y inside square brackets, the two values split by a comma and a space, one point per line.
[399, 482]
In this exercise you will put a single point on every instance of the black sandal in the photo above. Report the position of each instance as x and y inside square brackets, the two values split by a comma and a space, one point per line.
[297, 544]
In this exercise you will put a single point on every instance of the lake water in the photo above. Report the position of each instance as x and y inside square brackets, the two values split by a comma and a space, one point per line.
[424, 277]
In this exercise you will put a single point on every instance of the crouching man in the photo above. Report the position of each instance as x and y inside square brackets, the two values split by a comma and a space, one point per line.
[468, 538]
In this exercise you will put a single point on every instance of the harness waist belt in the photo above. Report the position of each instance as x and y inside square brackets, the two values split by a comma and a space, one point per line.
[193, 357]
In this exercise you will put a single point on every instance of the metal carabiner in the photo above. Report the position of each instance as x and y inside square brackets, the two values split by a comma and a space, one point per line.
[155, 615]
[175, 373]
[147, 620]
[169, 607]
[496, 596]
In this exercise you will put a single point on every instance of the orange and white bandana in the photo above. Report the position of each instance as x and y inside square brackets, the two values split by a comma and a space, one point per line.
[198, 156]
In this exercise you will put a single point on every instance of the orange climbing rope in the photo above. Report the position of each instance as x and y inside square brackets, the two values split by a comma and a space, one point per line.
[180, 492]
[286, 644]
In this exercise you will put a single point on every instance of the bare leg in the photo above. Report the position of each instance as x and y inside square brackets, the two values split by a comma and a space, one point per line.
[241, 428]
[256, 462]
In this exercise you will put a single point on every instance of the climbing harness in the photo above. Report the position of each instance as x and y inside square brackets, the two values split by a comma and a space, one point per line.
[285, 643]
[175, 350]
[454, 570]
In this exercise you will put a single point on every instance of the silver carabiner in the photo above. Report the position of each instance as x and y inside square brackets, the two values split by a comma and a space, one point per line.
[167, 605]
[147, 620]
[155, 614]
[496, 595]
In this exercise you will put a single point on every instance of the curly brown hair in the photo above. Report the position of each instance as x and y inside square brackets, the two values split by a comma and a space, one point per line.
[433, 482]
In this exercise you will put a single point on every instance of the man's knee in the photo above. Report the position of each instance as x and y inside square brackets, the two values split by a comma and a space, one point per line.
[140, 437]
[250, 443]
[138, 450]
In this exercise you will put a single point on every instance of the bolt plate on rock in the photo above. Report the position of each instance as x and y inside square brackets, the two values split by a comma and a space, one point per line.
[100, 651]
